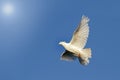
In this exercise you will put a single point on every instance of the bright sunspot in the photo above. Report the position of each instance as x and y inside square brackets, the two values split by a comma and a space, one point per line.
[8, 9]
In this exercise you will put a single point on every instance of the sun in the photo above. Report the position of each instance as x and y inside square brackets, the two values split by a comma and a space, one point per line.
[8, 9]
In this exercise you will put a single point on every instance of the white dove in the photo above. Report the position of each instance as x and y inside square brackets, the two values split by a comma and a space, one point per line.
[75, 49]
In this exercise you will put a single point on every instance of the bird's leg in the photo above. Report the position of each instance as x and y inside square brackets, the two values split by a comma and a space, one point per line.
[79, 55]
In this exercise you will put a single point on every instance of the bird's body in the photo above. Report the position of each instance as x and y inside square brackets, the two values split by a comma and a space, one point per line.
[75, 49]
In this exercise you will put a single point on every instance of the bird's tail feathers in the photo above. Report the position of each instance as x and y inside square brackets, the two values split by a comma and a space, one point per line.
[87, 52]
[84, 59]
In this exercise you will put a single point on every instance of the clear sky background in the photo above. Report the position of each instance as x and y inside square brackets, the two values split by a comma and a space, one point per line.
[29, 38]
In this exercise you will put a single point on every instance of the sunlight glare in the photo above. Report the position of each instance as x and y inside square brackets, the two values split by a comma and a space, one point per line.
[8, 9]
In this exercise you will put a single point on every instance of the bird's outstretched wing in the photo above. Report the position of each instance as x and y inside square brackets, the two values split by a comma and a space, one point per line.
[80, 35]
[68, 56]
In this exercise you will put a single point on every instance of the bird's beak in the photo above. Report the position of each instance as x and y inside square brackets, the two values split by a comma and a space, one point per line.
[59, 43]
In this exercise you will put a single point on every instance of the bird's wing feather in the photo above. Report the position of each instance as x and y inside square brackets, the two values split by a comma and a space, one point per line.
[80, 35]
[68, 56]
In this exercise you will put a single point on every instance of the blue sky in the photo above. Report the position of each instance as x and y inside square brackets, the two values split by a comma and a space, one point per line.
[29, 39]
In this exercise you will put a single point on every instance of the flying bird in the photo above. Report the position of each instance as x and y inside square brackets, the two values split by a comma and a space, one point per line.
[75, 48]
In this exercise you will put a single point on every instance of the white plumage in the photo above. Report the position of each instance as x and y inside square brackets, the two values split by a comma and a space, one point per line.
[75, 49]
